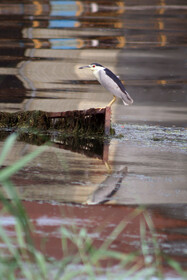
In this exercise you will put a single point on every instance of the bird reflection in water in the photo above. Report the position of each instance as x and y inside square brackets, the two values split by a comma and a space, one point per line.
[108, 187]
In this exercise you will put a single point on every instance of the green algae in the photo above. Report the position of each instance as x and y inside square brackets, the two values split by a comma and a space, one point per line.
[72, 122]
[24, 119]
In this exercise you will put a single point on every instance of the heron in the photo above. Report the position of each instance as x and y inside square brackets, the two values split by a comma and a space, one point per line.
[110, 82]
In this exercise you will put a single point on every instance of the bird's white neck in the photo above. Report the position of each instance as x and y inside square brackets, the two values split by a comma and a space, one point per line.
[96, 74]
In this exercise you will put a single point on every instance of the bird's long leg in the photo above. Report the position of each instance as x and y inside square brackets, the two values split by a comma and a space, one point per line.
[112, 101]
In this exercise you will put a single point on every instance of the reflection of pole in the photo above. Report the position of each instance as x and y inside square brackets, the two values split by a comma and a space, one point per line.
[106, 151]
[162, 9]
[105, 155]
[162, 37]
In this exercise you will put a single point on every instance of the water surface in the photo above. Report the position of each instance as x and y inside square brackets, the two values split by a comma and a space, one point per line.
[42, 45]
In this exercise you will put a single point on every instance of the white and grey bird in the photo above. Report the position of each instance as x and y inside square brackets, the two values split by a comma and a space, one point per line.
[111, 82]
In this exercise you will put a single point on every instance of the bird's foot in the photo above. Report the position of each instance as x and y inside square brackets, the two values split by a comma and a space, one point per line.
[101, 108]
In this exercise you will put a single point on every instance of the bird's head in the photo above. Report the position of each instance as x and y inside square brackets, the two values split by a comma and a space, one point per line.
[93, 66]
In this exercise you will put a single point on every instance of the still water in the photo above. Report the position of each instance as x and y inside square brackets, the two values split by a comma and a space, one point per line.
[42, 46]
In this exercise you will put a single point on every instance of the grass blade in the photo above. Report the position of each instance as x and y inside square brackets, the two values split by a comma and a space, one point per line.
[7, 172]
[7, 147]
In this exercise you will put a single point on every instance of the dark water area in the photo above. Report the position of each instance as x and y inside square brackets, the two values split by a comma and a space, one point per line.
[42, 45]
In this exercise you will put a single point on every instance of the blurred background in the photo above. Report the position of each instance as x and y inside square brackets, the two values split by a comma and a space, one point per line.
[43, 43]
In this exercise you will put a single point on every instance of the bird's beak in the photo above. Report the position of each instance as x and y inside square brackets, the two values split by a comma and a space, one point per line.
[82, 67]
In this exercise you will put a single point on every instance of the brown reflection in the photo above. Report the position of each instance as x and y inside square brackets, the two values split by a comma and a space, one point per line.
[100, 221]
[91, 147]
[94, 148]
[13, 97]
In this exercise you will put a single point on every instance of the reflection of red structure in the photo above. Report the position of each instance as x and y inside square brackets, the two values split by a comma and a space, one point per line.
[100, 221]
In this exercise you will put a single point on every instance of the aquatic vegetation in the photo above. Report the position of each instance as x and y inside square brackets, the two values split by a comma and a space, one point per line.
[150, 135]
[82, 122]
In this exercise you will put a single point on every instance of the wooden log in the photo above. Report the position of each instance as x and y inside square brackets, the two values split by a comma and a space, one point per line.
[90, 122]
[83, 121]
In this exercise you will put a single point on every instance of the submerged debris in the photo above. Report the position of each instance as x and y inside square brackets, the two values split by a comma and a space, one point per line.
[91, 121]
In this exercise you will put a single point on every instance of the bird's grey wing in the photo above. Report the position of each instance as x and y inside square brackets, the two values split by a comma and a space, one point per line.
[113, 84]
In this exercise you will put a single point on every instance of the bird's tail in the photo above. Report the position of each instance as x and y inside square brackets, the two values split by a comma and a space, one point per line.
[127, 100]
